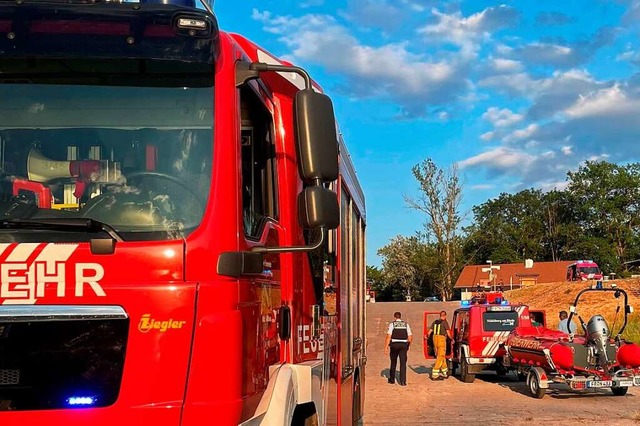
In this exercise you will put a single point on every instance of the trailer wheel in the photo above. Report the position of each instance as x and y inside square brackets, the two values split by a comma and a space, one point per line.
[465, 376]
[533, 383]
[619, 390]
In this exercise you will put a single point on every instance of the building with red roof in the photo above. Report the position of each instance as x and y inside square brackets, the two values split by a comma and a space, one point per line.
[513, 274]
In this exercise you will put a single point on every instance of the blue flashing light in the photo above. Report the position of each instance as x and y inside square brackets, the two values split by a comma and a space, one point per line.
[504, 302]
[81, 400]
[464, 303]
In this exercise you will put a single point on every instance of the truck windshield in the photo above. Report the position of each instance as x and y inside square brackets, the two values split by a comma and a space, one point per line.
[135, 158]
[589, 270]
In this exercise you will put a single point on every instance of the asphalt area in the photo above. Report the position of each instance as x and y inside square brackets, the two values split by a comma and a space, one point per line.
[489, 400]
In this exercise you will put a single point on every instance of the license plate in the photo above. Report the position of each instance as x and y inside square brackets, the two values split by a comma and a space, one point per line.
[599, 383]
[625, 383]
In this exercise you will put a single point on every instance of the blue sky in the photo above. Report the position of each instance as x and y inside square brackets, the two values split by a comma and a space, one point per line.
[514, 93]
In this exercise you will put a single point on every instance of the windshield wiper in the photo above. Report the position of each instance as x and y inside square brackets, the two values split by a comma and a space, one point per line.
[73, 224]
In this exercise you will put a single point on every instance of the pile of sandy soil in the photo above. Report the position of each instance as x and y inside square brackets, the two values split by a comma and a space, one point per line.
[556, 297]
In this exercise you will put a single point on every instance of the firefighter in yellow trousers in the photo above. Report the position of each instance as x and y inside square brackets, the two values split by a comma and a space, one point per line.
[440, 330]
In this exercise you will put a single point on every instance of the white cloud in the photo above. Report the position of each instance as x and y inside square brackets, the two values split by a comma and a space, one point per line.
[487, 136]
[611, 101]
[629, 56]
[521, 134]
[501, 117]
[468, 32]
[564, 54]
[482, 187]
[551, 186]
[499, 159]
[503, 66]
[388, 71]
[567, 150]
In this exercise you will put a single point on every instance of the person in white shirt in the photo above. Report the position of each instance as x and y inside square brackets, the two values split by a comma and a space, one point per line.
[397, 344]
[564, 323]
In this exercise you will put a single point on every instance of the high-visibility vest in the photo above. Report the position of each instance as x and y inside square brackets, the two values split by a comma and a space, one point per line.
[439, 328]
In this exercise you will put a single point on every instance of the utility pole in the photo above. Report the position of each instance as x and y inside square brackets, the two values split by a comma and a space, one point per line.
[490, 271]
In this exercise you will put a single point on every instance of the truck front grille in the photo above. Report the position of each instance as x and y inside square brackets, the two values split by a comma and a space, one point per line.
[9, 377]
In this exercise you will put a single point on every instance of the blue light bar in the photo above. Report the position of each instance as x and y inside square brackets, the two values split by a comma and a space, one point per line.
[504, 302]
[464, 303]
[81, 400]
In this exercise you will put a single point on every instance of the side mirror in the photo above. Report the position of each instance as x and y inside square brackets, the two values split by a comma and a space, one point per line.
[318, 207]
[317, 138]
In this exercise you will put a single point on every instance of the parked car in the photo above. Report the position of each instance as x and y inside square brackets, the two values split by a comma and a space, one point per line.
[432, 299]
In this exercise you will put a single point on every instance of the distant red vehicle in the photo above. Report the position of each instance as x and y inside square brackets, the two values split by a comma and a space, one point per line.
[584, 270]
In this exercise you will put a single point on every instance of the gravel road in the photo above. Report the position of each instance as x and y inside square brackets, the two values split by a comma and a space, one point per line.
[486, 401]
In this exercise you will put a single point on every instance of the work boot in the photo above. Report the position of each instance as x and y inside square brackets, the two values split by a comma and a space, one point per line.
[391, 381]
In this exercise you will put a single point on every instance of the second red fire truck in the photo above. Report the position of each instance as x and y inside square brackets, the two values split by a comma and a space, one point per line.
[480, 326]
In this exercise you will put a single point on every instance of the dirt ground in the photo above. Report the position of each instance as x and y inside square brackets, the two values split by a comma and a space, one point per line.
[487, 400]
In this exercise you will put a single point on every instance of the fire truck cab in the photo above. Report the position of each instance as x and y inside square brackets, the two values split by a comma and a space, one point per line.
[583, 270]
[480, 327]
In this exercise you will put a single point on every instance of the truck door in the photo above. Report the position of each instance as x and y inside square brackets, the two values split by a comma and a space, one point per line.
[428, 349]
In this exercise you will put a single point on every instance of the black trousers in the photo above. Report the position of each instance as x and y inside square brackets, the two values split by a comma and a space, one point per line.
[398, 349]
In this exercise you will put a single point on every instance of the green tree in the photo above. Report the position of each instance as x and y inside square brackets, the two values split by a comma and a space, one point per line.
[607, 198]
[398, 268]
[439, 199]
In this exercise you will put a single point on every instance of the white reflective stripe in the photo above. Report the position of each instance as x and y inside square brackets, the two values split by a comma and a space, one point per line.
[56, 252]
[491, 342]
[493, 346]
[22, 252]
[292, 77]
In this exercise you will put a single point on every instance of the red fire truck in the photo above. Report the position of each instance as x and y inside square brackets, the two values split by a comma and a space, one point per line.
[182, 232]
[583, 270]
[480, 327]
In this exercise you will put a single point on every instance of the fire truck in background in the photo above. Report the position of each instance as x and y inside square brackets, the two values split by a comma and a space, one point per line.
[583, 270]
[182, 235]
[480, 327]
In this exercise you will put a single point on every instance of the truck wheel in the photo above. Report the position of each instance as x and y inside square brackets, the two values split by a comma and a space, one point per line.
[465, 376]
[619, 390]
[533, 384]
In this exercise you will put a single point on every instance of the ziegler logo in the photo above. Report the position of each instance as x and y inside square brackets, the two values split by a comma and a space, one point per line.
[26, 274]
[147, 323]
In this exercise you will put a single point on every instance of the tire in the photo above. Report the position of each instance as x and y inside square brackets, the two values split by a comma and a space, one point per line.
[454, 368]
[619, 390]
[465, 376]
[501, 371]
[533, 384]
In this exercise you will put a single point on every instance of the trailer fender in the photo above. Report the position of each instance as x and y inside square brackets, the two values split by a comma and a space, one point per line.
[541, 376]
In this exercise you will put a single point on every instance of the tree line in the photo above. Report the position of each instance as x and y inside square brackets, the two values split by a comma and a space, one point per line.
[594, 217]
